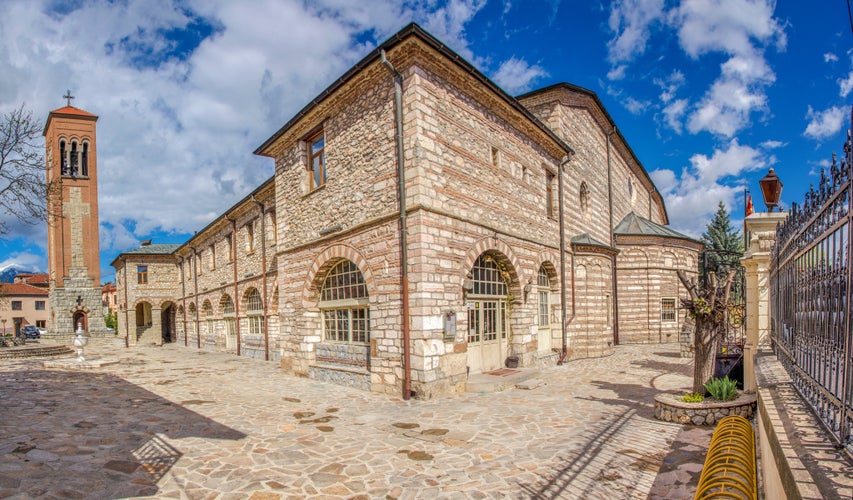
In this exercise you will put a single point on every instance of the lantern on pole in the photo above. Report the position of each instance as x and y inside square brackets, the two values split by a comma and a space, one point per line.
[771, 190]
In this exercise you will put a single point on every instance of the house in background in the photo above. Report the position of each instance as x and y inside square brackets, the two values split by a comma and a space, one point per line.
[24, 302]
[421, 226]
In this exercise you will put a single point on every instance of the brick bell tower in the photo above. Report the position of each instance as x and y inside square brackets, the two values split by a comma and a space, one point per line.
[74, 264]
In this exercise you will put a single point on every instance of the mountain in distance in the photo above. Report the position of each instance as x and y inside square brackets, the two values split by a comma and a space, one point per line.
[8, 273]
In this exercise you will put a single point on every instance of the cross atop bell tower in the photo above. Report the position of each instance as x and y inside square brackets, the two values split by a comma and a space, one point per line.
[72, 230]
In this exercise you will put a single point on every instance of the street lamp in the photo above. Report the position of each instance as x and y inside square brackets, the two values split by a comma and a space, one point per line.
[771, 189]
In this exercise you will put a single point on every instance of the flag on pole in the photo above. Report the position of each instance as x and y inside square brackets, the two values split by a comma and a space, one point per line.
[749, 209]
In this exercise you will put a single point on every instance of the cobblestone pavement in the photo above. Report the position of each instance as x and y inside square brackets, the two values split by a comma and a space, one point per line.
[174, 422]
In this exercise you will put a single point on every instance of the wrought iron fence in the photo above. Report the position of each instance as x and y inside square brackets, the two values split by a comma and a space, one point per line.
[810, 277]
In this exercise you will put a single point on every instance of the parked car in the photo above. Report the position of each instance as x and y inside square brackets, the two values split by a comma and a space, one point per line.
[43, 331]
[31, 332]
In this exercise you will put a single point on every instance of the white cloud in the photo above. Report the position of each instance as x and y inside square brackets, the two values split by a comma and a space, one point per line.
[773, 144]
[516, 75]
[180, 116]
[691, 198]
[830, 57]
[824, 124]
[670, 85]
[673, 114]
[630, 22]
[635, 106]
[845, 85]
[727, 26]
[617, 72]
[739, 29]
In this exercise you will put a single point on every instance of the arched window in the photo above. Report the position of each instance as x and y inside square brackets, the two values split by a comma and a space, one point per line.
[207, 312]
[344, 302]
[84, 163]
[584, 202]
[255, 311]
[229, 316]
[75, 160]
[63, 158]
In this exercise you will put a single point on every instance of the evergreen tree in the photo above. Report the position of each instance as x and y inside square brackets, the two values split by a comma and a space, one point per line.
[723, 243]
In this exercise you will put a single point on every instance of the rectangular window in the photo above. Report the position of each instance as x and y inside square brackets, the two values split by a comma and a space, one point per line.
[667, 310]
[347, 325]
[544, 309]
[317, 159]
[17, 305]
[230, 251]
[142, 275]
[250, 237]
[40, 305]
[256, 325]
[212, 256]
[41, 323]
[549, 194]
[496, 156]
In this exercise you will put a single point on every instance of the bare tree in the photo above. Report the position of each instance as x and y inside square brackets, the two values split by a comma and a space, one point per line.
[23, 185]
[710, 307]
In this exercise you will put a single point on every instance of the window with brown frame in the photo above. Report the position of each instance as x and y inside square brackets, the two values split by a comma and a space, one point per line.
[667, 310]
[496, 156]
[317, 159]
[142, 275]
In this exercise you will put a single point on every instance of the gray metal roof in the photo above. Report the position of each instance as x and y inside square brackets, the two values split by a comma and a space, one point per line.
[586, 240]
[634, 225]
[154, 249]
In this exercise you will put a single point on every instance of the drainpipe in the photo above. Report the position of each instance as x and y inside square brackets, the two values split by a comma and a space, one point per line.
[566, 159]
[184, 300]
[264, 275]
[126, 311]
[194, 264]
[404, 272]
[236, 291]
[613, 281]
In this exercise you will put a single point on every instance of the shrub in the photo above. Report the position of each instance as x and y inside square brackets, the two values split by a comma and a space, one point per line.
[722, 389]
[693, 397]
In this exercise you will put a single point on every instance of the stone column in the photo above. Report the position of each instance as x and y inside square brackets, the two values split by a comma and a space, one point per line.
[761, 228]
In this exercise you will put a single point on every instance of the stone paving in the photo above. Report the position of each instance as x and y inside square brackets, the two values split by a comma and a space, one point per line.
[174, 422]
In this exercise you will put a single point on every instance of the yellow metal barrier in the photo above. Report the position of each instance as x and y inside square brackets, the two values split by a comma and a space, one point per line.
[729, 470]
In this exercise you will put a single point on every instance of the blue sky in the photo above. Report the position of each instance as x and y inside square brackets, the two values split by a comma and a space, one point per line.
[708, 93]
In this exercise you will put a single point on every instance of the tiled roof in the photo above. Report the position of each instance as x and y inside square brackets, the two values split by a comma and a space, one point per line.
[154, 249]
[634, 225]
[10, 289]
[71, 110]
[32, 278]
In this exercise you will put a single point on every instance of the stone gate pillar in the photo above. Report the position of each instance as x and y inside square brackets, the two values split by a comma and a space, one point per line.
[761, 230]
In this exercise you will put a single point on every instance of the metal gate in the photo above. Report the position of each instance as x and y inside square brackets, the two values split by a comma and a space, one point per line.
[810, 277]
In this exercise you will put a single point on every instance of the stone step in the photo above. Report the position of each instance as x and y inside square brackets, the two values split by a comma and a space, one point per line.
[35, 351]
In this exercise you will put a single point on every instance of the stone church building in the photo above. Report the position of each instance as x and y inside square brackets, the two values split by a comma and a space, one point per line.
[422, 225]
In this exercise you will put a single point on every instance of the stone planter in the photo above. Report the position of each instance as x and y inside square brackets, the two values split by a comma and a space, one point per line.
[670, 408]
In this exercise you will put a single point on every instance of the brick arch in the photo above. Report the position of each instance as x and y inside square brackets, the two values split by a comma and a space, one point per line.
[325, 261]
[550, 260]
[504, 255]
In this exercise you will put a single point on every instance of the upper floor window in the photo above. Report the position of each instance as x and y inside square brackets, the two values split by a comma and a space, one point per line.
[584, 201]
[250, 237]
[496, 156]
[17, 305]
[40, 305]
[230, 251]
[549, 194]
[63, 158]
[74, 159]
[212, 256]
[142, 275]
[317, 159]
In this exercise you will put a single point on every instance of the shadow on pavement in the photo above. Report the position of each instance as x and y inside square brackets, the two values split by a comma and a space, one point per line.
[90, 435]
